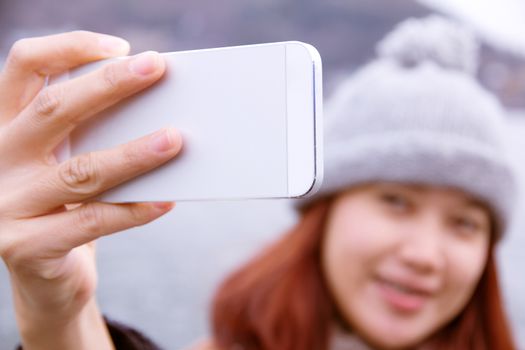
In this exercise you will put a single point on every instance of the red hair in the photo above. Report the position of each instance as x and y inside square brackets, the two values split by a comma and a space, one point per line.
[280, 301]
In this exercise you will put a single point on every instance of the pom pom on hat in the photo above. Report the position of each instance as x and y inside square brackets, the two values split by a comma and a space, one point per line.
[433, 39]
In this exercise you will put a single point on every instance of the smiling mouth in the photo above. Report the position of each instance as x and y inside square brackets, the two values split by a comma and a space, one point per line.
[401, 297]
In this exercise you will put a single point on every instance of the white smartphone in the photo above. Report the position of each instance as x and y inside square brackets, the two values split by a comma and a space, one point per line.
[250, 118]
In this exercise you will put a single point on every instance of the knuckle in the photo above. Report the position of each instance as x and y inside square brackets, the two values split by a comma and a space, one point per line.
[8, 250]
[79, 175]
[90, 219]
[11, 245]
[131, 157]
[84, 293]
[110, 77]
[80, 40]
[81, 35]
[139, 215]
[48, 101]
[20, 53]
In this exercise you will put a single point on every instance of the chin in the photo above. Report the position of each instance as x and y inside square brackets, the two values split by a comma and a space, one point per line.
[393, 344]
[380, 335]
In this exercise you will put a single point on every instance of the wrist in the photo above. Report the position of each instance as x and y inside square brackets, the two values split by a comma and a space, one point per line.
[84, 330]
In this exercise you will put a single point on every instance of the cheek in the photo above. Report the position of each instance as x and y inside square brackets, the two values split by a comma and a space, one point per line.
[353, 247]
[465, 267]
[350, 247]
[357, 235]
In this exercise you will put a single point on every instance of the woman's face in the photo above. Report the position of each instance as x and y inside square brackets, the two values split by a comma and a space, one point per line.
[403, 260]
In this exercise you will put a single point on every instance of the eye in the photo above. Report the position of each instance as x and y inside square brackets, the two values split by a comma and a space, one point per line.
[395, 201]
[467, 224]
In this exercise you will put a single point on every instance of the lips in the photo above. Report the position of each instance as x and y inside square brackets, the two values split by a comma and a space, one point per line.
[404, 295]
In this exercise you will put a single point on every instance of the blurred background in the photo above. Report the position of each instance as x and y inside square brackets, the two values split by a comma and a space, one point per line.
[160, 277]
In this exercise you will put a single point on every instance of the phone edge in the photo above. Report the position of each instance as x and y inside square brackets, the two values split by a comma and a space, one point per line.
[305, 174]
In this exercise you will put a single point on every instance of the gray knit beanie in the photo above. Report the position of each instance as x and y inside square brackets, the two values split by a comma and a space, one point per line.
[417, 115]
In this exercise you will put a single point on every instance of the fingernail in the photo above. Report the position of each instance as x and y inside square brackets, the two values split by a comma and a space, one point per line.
[162, 140]
[112, 44]
[145, 63]
[163, 206]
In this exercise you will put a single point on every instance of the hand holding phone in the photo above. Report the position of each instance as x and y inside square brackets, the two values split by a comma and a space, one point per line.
[45, 240]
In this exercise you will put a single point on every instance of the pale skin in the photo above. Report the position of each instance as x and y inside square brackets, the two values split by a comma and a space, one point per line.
[48, 225]
[402, 260]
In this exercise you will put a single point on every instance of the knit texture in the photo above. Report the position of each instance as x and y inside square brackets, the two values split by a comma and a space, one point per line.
[419, 118]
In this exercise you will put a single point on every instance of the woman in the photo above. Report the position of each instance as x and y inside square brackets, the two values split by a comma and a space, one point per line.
[395, 251]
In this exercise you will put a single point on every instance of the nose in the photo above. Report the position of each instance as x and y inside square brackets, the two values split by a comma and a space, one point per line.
[422, 249]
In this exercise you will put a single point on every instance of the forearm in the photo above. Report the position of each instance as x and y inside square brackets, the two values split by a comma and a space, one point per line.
[86, 330]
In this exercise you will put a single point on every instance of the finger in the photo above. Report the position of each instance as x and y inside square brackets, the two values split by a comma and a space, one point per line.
[59, 108]
[53, 236]
[31, 60]
[88, 175]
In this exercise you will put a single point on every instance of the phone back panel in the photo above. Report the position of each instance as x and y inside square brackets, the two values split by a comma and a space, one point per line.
[230, 107]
